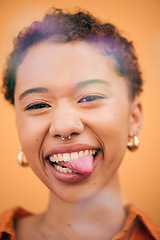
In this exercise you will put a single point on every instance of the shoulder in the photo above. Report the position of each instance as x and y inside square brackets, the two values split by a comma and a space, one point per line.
[138, 225]
[146, 221]
[7, 222]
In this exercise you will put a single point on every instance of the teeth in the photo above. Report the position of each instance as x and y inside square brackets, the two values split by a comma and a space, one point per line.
[66, 157]
[55, 157]
[74, 155]
[80, 154]
[52, 159]
[69, 170]
[93, 151]
[86, 152]
[62, 169]
[60, 157]
[90, 152]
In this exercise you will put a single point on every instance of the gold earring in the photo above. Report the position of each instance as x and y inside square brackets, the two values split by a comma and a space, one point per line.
[133, 143]
[20, 159]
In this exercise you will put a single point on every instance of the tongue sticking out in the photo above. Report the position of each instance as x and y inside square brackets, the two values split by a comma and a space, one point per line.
[82, 165]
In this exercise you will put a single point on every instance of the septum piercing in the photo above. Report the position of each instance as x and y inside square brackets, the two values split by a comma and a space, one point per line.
[63, 138]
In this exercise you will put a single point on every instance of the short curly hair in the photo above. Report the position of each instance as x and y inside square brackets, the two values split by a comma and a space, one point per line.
[60, 26]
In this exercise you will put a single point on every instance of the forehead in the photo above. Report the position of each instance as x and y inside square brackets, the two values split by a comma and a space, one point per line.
[63, 62]
[60, 53]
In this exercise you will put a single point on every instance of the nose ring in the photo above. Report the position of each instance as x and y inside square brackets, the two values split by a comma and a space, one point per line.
[63, 138]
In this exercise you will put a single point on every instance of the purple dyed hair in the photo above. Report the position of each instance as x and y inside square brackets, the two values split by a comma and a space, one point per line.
[59, 26]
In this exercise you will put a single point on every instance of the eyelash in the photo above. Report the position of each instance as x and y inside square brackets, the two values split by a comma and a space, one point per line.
[90, 98]
[37, 106]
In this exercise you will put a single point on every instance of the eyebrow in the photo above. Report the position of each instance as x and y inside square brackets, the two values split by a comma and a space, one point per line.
[33, 90]
[91, 81]
[78, 86]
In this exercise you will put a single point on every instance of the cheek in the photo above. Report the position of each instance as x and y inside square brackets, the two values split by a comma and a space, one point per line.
[111, 127]
[31, 134]
[113, 134]
[110, 123]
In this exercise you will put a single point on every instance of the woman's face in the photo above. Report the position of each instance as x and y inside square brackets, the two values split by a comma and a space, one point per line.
[72, 89]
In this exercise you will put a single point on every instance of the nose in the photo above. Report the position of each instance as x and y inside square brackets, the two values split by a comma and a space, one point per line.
[65, 123]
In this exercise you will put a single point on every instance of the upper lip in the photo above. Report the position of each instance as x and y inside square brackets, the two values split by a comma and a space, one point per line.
[69, 149]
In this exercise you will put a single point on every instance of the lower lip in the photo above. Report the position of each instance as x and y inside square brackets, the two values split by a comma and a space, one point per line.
[70, 177]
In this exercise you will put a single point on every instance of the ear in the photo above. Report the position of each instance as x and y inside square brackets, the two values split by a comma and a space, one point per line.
[135, 123]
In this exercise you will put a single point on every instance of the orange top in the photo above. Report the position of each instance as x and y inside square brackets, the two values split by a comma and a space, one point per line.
[138, 225]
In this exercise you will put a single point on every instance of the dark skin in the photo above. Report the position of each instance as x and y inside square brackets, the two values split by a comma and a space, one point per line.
[89, 101]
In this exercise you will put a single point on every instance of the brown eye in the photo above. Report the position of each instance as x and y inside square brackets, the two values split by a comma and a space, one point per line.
[90, 98]
[37, 106]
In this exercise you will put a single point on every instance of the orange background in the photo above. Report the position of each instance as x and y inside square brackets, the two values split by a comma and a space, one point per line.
[139, 20]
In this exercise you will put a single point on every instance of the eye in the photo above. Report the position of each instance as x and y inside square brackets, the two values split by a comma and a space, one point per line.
[37, 106]
[90, 98]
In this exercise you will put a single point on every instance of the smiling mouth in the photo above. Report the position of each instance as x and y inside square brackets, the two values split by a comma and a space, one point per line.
[75, 162]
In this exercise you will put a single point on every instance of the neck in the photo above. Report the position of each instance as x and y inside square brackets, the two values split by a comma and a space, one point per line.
[100, 217]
